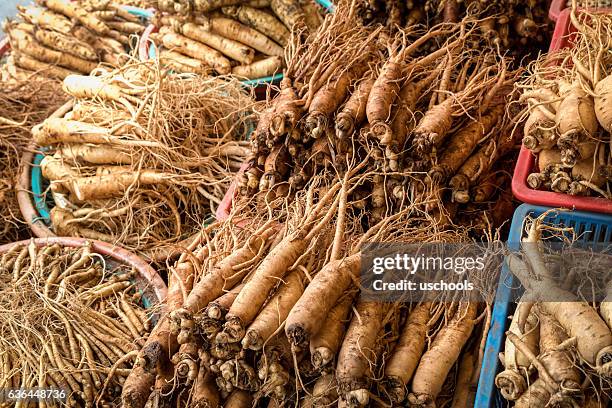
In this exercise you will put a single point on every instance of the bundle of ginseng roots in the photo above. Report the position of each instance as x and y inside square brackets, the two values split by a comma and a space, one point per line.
[431, 123]
[558, 349]
[258, 311]
[22, 105]
[521, 26]
[568, 127]
[144, 156]
[63, 37]
[265, 311]
[242, 38]
[67, 324]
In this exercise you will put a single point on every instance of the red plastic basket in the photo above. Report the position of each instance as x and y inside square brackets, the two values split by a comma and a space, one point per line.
[556, 7]
[526, 160]
[143, 44]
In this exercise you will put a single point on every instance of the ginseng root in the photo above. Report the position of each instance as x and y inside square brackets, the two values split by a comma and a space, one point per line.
[407, 353]
[358, 352]
[319, 298]
[437, 362]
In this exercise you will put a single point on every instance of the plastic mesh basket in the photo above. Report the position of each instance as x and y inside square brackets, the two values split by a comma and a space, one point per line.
[590, 227]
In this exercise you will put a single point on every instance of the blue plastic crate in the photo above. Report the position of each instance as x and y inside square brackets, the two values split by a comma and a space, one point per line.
[590, 226]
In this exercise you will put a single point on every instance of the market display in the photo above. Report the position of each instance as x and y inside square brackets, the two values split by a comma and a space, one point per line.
[245, 39]
[200, 248]
[62, 37]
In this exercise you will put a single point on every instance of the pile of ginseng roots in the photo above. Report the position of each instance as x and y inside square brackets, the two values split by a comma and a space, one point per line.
[68, 324]
[521, 26]
[265, 308]
[431, 118]
[61, 37]
[242, 38]
[558, 349]
[23, 103]
[568, 125]
[144, 157]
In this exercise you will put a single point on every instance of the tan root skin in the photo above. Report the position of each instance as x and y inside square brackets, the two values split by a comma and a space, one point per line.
[437, 362]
